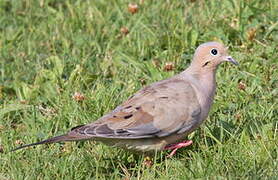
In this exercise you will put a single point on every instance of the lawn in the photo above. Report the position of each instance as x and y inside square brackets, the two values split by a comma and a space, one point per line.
[66, 63]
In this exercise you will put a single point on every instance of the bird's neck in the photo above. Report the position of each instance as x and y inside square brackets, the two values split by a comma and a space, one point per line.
[206, 81]
[206, 77]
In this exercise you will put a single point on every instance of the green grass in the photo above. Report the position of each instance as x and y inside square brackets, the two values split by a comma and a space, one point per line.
[52, 49]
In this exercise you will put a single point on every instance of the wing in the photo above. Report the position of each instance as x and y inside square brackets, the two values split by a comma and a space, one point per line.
[159, 110]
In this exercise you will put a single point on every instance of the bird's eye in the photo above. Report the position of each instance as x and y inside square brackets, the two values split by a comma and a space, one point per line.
[214, 52]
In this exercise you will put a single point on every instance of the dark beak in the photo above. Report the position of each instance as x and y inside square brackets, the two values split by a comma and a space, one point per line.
[230, 59]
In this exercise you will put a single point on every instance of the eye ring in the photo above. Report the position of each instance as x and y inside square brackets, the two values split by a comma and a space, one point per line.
[214, 52]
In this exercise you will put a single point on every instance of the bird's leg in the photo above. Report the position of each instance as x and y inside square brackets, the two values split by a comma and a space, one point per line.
[177, 146]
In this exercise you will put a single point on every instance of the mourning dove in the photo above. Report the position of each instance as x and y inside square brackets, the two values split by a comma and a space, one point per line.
[161, 115]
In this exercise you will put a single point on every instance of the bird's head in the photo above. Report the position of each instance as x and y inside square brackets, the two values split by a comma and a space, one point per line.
[209, 55]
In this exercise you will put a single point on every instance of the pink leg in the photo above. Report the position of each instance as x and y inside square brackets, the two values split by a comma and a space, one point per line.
[177, 146]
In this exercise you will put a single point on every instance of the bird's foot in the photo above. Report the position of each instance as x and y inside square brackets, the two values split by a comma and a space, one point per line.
[176, 146]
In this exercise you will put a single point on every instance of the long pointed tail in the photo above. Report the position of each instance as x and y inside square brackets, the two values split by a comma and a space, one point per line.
[47, 141]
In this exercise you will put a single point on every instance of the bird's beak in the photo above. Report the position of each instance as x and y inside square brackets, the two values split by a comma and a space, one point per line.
[230, 59]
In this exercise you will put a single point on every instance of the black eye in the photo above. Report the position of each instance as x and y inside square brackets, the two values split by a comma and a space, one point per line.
[213, 52]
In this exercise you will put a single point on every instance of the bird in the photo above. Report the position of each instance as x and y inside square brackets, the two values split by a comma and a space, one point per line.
[161, 115]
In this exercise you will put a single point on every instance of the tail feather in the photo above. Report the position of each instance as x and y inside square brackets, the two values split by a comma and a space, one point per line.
[47, 141]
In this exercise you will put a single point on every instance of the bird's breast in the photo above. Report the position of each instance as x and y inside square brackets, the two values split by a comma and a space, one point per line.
[205, 91]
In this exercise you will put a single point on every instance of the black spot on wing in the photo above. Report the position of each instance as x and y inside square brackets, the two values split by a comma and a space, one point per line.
[128, 107]
[122, 132]
[128, 116]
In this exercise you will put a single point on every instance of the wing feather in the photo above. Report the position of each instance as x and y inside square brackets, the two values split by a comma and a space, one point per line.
[159, 110]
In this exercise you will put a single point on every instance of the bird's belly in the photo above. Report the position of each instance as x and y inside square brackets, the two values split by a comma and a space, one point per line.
[145, 144]
[142, 145]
